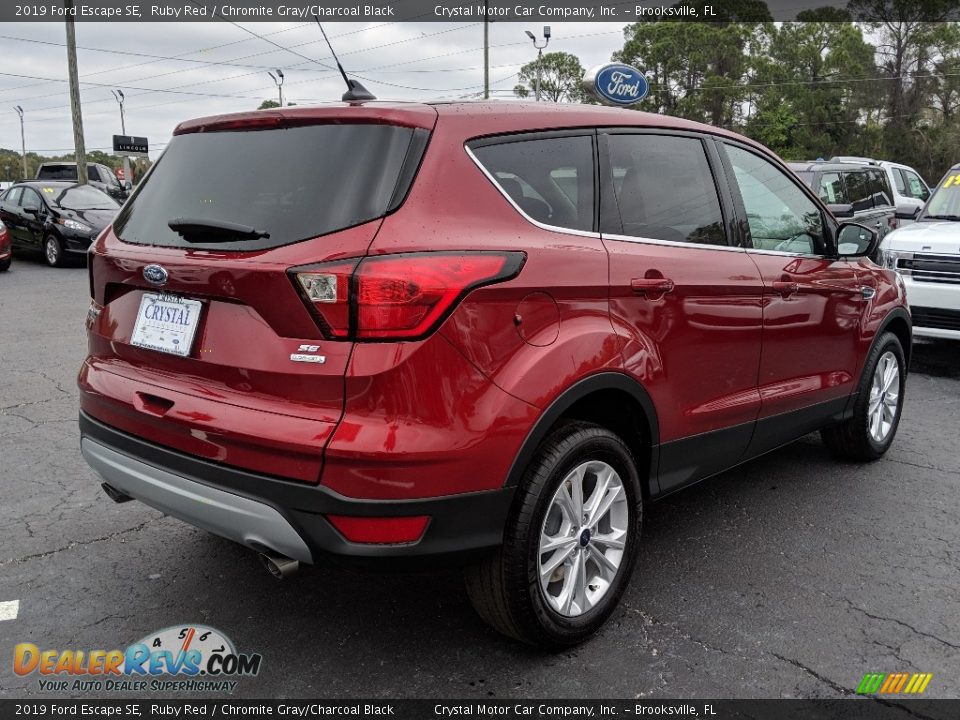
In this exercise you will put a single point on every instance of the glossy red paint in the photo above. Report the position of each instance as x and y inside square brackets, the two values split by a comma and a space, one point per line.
[449, 413]
[811, 343]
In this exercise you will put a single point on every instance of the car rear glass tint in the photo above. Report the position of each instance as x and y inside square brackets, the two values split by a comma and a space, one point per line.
[549, 179]
[58, 172]
[292, 183]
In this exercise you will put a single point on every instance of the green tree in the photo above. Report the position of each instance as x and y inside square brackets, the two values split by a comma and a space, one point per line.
[268, 104]
[561, 75]
[814, 88]
[696, 70]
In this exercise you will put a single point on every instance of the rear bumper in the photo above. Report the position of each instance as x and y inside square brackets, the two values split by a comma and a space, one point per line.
[268, 513]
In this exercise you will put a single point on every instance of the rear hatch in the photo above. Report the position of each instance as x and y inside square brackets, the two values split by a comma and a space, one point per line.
[200, 337]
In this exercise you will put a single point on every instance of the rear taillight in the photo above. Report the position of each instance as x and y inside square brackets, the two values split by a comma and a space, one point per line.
[398, 297]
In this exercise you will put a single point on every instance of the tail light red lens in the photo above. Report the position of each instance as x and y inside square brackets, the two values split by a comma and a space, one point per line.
[380, 530]
[398, 297]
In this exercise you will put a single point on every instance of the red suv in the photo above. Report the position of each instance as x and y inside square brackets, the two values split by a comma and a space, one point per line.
[379, 332]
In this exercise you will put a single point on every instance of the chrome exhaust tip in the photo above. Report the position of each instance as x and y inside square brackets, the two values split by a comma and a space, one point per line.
[280, 566]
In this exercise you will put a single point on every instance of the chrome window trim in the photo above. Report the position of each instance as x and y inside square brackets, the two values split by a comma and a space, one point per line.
[670, 243]
[784, 253]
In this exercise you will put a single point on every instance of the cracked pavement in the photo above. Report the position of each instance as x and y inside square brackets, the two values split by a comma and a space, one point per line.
[791, 576]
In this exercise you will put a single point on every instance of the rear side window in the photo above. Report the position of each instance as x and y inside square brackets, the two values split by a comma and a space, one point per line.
[289, 184]
[550, 179]
[665, 189]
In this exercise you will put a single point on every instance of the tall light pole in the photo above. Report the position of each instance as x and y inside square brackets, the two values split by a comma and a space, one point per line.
[278, 79]
[23, 141]
[118, 96]
[546, 41]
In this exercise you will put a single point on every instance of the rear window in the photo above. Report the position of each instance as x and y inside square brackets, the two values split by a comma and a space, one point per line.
[57, 172]
[290, 183]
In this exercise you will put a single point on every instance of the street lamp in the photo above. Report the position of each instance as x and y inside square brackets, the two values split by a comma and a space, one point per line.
[278, 79]
[546, 41]
[118, 96]
[23, 142]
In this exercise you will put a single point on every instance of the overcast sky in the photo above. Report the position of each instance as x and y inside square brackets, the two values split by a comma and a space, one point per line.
[410, 61]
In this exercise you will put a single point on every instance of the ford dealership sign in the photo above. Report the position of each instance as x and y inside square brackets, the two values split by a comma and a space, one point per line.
[616, 84]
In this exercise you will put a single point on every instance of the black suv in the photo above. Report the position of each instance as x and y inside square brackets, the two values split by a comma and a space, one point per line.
[852, 191]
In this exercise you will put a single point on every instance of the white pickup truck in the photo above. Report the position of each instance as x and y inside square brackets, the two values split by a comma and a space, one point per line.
[926, 254]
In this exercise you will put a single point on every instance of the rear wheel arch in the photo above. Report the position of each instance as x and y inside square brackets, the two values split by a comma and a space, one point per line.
[591, 400]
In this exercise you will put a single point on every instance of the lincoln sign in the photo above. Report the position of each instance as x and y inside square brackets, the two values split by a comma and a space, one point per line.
[616, 84]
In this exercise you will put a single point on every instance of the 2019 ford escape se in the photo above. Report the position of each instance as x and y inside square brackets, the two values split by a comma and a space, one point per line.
[380, 332]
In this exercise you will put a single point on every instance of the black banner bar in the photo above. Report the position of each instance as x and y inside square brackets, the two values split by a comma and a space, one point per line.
[862, 708]
[547, 11]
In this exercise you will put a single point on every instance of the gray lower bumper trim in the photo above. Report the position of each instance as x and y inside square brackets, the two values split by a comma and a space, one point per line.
[234, 517]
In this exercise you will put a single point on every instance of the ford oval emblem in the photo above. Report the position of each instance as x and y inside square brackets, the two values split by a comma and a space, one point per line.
[616, 84]
[155, 275]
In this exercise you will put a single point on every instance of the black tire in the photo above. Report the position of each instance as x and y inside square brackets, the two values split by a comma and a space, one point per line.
[53, 251]
[505, 588]
[5, 264]
[852, 439]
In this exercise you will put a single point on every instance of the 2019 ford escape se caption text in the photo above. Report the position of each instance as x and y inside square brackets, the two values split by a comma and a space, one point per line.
[387, 333]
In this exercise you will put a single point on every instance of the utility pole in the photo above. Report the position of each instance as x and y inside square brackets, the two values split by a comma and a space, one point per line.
[486, 49]
[546, 41]
[278, 79]
[23, 141]
[79, 148]
[118, 95]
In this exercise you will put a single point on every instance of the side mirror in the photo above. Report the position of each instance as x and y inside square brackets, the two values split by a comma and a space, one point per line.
[855, 240]
[906, 212]
[31, 210]
[843, 210]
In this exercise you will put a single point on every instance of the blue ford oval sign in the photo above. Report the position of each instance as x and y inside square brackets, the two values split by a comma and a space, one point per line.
[616, 84]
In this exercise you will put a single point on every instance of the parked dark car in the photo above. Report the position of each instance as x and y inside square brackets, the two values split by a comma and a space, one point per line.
[6, 251]
[99, 176]
[857, 192]
[474, 332]
[55, 218]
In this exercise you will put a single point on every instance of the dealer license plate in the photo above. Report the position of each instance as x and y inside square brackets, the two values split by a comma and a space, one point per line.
[166, 323]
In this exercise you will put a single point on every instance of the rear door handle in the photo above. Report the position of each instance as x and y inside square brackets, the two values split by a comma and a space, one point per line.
[786, 288]
[651, 287]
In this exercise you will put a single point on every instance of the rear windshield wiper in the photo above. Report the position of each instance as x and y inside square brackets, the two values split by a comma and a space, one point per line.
[205, 230]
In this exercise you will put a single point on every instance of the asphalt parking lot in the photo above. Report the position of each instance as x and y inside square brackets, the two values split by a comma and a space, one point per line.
[792, 576]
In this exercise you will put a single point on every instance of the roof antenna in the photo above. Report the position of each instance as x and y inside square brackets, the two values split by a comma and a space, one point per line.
[355, 91]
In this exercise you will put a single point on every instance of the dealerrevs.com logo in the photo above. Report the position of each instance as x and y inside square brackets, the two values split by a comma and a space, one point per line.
[190, 658]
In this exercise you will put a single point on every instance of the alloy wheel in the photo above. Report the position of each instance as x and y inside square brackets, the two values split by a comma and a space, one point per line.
[583, 538]
[884, 397]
